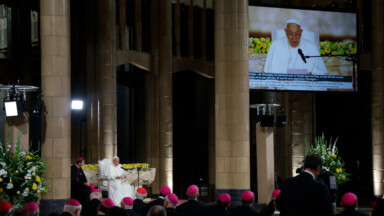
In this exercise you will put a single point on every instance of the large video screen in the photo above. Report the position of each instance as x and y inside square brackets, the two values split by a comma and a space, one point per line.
[302, 50]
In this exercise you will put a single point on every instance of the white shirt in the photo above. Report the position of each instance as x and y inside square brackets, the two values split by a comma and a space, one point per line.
[310, 173]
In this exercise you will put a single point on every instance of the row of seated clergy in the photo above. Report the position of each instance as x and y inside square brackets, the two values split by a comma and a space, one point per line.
[113, 179]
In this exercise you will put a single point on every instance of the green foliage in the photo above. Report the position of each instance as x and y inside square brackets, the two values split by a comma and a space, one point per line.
[332, 161]
[22, 174]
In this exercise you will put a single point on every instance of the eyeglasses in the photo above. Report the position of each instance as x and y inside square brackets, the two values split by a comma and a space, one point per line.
[297, 35]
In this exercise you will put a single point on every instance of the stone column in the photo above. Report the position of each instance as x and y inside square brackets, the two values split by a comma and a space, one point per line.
[301, 126]
[105, 51]
[377, 117]
[265, 163]
[232, 98]
[165, 93]
[56, 87]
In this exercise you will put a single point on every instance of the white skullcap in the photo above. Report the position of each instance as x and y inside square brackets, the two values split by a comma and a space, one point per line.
[115, 157]
[292, 21]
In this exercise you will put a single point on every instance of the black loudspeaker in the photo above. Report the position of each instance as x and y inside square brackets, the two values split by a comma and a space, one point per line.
[271, 120]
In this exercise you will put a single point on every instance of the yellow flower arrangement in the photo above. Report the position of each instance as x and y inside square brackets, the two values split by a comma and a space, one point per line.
[332, 161]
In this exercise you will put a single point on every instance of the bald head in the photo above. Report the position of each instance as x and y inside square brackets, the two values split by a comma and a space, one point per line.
[293, 32]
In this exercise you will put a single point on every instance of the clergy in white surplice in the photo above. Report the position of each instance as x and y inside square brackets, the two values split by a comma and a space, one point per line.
[119, 187]
[284, 53]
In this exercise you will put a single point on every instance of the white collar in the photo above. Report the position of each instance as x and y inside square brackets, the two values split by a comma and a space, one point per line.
[310, 173]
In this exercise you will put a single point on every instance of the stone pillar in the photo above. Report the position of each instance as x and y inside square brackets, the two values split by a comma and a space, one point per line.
[56, 87]
[377, 117]
[165, 93]
[232, 98]
[265, 163]
[152, 101]
[105, 51]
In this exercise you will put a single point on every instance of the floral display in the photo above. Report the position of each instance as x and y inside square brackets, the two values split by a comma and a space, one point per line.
[22, 174]
[332, 161]
[337, 48]
[261, 45]
[143, 166]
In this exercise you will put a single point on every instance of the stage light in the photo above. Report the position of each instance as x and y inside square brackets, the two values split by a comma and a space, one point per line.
[12, 109]
[77, 104]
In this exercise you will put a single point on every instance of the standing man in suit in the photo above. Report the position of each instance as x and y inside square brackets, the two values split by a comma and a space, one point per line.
[192, 207]
[80, 189]
[302, 195]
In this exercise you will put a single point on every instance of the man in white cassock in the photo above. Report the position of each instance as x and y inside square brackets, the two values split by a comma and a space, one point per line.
[118, 186]
[283, 54]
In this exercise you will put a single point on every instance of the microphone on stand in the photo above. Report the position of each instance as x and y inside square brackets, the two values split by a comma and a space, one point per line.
[302, 55]
[124, 168]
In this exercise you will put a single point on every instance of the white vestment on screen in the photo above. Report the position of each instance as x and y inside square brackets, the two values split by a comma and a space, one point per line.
[118, 188]
[281, 56]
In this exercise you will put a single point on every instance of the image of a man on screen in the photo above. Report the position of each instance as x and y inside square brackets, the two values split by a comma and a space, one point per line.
[287, 53]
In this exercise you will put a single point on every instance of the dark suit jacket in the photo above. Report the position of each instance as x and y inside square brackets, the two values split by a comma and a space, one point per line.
[131, 212]
[139, 207]
[171, 212]
[215, 210]
[158, 201]
[302, 196]
[244, 210]
[91, 208]
[351, 212]
[379, 209]
[191, 208]
[66, 214]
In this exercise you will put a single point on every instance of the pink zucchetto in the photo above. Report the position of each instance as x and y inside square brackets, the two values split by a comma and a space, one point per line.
[225, 198]
[97, 190]
[165, 190]
[79, 159]
[73, 202]
[108, 203]
[172, 198]
[349, 199]
[128, 201]
[31, 206]
[247, 195]
[276, 193]
[192, 190]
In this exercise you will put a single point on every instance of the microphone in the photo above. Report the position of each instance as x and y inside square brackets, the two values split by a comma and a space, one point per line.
[302, 55]
[124, 168]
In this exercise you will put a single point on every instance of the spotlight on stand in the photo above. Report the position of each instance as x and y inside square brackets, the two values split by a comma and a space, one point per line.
[270, 115]
[12, 108]
[77, 104]
[15, 100]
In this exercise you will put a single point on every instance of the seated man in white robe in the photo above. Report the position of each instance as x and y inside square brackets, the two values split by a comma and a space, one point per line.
[283, 54]
[118, 186]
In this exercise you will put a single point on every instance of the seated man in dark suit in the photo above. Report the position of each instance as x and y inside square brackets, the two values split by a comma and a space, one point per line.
[248, 200]
[72, 208]
[349, 204]
[302, 195]
[220, 209]
[192, 207]
[80, 189]
[139, 206]
[164, 191]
